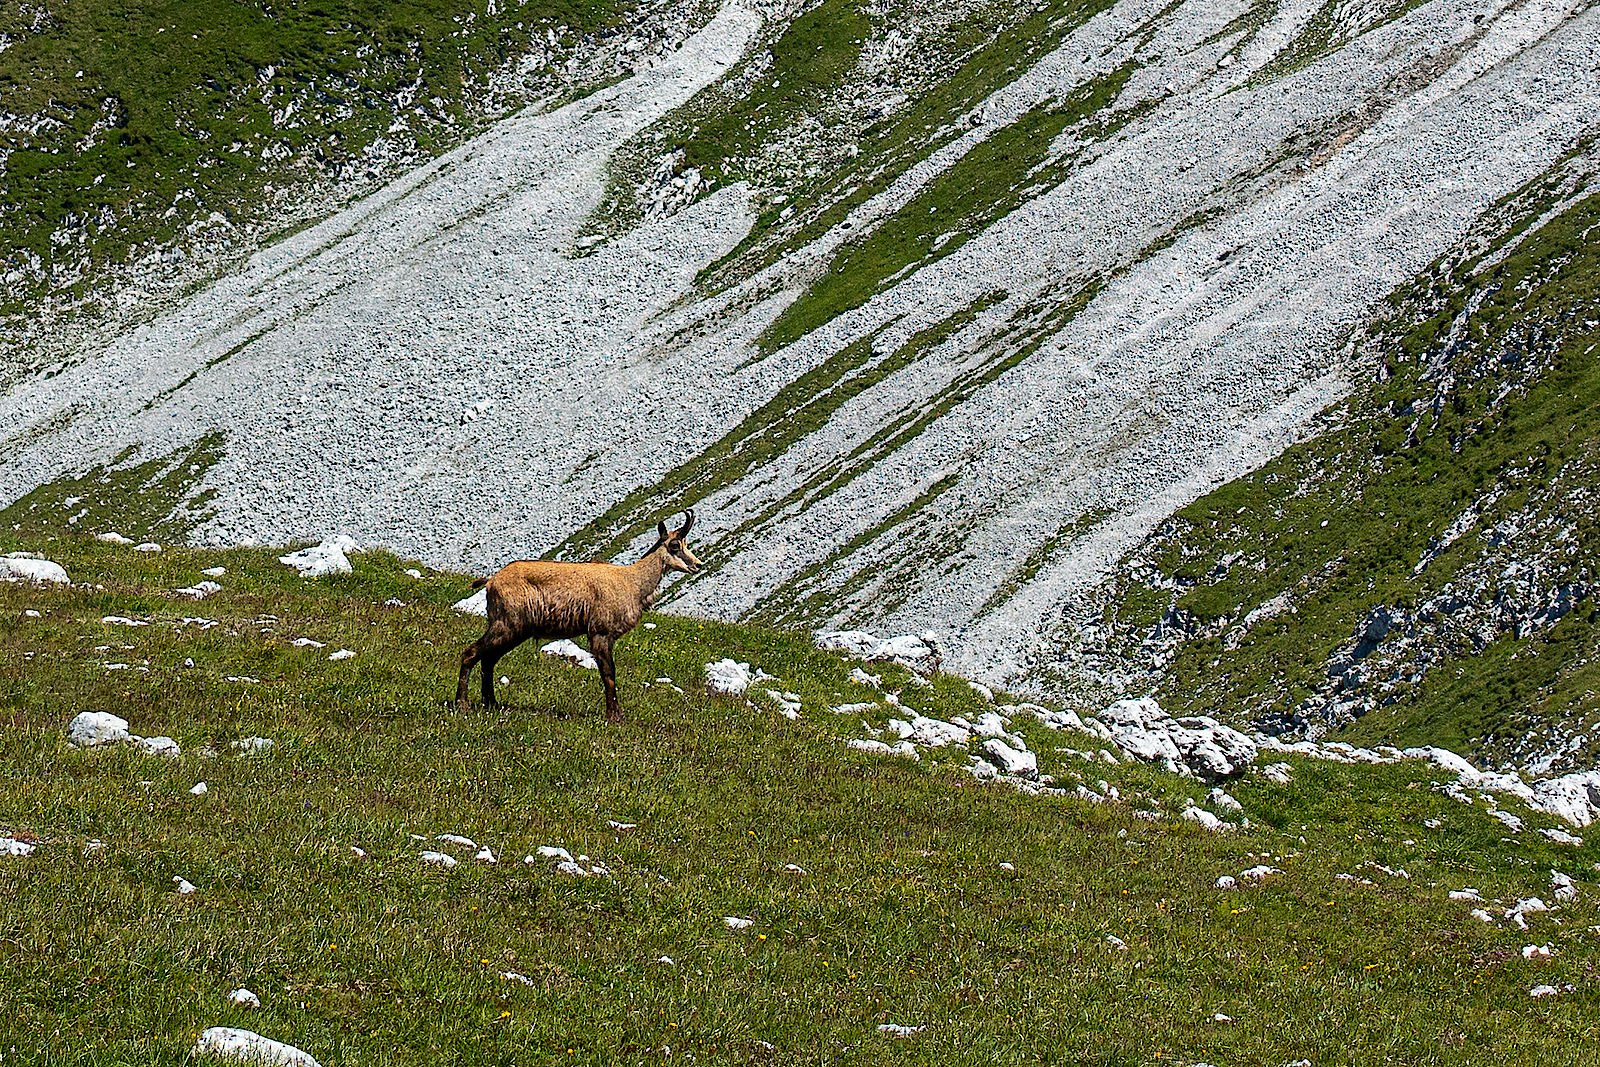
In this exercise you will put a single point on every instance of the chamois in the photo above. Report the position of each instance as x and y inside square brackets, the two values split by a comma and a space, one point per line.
[531, 598]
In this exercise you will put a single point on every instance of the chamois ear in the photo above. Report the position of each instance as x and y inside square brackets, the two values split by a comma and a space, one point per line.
[688, 521]
[661, 530]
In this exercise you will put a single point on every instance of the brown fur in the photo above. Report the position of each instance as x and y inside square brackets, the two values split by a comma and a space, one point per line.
[601, 601]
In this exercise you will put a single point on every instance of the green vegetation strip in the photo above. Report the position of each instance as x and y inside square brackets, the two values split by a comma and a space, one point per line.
[157, 499]
[991, 48]
[986, 184]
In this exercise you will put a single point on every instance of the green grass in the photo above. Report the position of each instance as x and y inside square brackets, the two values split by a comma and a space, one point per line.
[810, 60]
[903, 915]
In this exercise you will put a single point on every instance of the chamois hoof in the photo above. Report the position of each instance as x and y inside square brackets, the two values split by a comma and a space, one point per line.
[614, 716]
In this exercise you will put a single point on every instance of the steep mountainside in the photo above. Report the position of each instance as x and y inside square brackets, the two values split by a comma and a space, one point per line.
[937, 313]
[1424, 569]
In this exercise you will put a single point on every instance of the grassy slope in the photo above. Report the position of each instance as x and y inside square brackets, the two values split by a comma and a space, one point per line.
[162, 104]
[903, 914]
[1485, 403]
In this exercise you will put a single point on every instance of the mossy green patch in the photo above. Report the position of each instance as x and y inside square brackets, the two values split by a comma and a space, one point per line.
[142, 119]
[158, 499]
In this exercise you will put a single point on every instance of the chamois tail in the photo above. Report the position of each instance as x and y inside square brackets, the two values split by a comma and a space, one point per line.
[480, 583]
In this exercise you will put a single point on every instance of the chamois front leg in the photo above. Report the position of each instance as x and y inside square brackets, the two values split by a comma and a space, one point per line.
[600, 647]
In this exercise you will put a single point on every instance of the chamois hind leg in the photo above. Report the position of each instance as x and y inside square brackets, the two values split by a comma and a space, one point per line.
[468, 658]
[600, 646]
[487, 680]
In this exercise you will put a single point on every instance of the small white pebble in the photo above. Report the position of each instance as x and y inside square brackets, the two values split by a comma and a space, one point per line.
[736, 922]
[484, 855]
[439, 859]
[243, 998]
[200, 789]
[185, 887]
[360, 853]
[413, 572]
[30, 613]
[1006, 865]
[1227, 881]
[1116, 942]
[214, 572]
[794, 868]
[620, 826]
[343, 653]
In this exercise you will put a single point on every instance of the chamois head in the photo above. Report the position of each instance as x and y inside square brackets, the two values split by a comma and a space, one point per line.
[679, 558]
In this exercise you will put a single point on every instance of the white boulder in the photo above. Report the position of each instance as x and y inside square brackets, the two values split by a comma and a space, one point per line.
[1018, 764]
[158, 746]
[329, 557]
[245, 1046]
[92, 728]
[731, 678]
[572, 653]
[17, 567]
[932, 733]
[879, 748]
[1196, 746]
[919, 652]
[476, 604]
